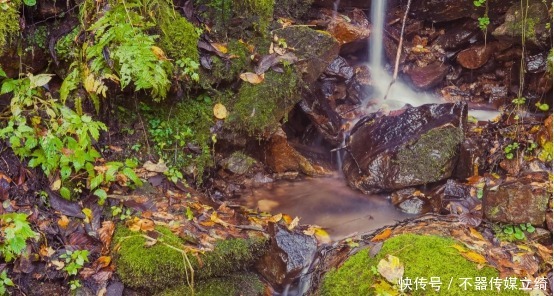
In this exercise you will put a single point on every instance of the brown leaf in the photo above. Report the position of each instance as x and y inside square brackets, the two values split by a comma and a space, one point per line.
[252, 78]
[101, 262]
[143, 225]
[382, 236]
[220, 47]
[106, 233]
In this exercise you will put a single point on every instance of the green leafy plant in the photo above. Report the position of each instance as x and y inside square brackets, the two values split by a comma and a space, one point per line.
[518, 231]
[174, 174]
[543, 106]
[189, 68]
[484, 21]
[15, 230]
[510, 150]
[121, 213]
[74, 260]
[519, 101]
[74, 284]
[5, 281]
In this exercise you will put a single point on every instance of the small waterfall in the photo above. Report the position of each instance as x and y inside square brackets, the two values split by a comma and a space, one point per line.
[400, 94]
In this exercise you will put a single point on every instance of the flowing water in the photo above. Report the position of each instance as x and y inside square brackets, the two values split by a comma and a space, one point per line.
[329, 203]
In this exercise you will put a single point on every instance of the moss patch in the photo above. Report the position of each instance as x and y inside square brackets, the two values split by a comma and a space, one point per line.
[430, 156]
[179, 38]
[246, 284]
[260, 9]
[159, 267]
[230, 69]
[422, 256]
[9, 22]
[260, 107]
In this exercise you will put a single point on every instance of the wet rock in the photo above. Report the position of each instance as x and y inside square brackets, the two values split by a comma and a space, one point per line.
[428, 76]
[315, 50]
[534, 23]
[351, 30]
[50, 9]
[410, 201]
[416, 147]
[519, 201]
[115, 289]
[458, 37]
[289, 253]
[339, 68]
[238, 163]
[334, 4]
[282, 157]
[536, 63]
[549, 220]
[448, 10]
[476, 56]
[31, 55]
[471, 156]
[361, 86]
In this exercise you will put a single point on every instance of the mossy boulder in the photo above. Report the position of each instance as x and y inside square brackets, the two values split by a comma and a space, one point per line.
[422, 256]
[244, 284]
[162, 265]
[257, 108]
[315, 49]
[411, 147]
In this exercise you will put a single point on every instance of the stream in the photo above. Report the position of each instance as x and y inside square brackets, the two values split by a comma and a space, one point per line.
[327, 202]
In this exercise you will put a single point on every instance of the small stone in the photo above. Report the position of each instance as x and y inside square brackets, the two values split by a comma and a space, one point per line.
[476, 56]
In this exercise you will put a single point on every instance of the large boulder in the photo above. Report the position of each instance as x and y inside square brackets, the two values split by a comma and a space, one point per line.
[415, 146]
[518, 201]
[351, 29]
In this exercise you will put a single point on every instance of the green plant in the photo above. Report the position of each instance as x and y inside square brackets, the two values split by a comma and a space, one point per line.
[9, 21]
[121, 213]
[519, 101]
[510, 150]
[74, 284]
[543, 106]
[189, 68]
[518, 231]
[5, 281]
[15, 230]
[484, 21]
[133, 54]
[174, 174]
[74, 260]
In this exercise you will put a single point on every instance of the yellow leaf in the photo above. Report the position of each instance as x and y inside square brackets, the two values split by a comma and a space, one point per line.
[88, 214]
[63, 222]
[474, 257]
[56, 185]
[159, 53]
[320, 234]
[276, 218]
[287, 218]
[391, 269]
[382, 236]
[220, 112]
[222, 48]
[460, 248]
[252, 77]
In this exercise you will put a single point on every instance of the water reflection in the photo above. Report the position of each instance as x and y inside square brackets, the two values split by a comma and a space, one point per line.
[327, 202]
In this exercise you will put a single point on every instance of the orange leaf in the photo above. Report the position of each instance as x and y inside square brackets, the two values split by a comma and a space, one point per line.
[252, 77]
[474, 257]
[105, 233]
[220, 112]
[382, 236]
[63, 222]
[102, 261]
[159, 53]
[141, 225]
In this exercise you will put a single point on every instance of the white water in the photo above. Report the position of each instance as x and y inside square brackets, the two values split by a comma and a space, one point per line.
[399, 94]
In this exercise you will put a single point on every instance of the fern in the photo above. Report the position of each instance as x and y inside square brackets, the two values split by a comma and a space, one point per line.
[121, 32]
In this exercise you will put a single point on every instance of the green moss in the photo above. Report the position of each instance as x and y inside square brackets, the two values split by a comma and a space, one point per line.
[262, 10]
[422, 256]
[39, 37]
[429, 155]
[181, 134]
[247, 284]
[179, 37]
[230, 69]
[9, 22]
[260, 107]
[160, 267]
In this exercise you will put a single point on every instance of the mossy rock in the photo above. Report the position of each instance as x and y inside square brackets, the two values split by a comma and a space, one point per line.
[244, 284]
[160, 267]
[9, 23]
[422, 257]
[179, 37]
[260, 107]
[314, 48]
[230, 69]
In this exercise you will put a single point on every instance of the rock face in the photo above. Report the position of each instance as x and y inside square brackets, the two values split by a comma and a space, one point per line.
[521, 201]
[289, 253]
[351, 30]
[476, 56]
[416, 147]
[428, 76]
[315, 49]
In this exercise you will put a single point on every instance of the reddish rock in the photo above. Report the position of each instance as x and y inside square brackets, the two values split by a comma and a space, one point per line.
[351, 30]
[428, 76]
[476, 56]
[521, 201]
[342, 4]
[458, 37]
[282, 157]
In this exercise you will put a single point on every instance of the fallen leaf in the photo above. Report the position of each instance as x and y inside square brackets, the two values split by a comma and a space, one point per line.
[220, 47]
[63, 222]
[88, 214]
[56, 185]
[159, 167]
[382, 236]
[321, 235]
[159, 53]
[57, 264]
[46, 251]
[105, 234]
[220, 112]
[294, 223]
[391, 269]
[474, 257]
[276, 218]
[252, 78]
[101, 262]
[143, 225]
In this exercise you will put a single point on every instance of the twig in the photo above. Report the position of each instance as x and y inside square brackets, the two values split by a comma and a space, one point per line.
[399, 50]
